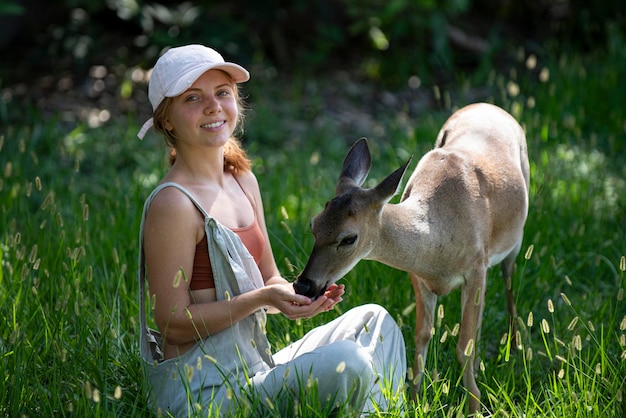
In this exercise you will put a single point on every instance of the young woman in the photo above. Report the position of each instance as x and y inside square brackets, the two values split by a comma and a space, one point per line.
[211, 274]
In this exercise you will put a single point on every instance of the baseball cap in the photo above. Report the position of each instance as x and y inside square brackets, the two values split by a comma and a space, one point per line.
[178, 68]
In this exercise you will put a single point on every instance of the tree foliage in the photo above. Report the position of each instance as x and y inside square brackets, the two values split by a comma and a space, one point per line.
[388, 41]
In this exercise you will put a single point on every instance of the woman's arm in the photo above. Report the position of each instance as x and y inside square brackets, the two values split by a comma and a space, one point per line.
[173, 227]
[269, 270]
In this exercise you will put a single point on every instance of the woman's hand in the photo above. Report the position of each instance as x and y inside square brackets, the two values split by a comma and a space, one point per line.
[335, 292]
[294, 306]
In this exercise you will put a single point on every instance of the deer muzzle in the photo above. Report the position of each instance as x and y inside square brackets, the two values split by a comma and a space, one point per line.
[306, 287]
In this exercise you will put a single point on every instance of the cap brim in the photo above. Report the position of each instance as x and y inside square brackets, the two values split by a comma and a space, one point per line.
[237, 73]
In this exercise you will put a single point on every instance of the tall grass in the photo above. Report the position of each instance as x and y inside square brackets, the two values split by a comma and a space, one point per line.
[70, 201]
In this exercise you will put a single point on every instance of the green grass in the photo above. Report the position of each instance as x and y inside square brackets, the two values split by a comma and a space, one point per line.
[70, 201]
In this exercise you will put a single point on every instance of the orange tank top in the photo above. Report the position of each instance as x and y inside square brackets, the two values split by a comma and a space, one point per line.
[252, 238]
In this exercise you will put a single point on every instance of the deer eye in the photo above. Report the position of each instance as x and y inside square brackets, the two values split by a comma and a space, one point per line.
[348, 240]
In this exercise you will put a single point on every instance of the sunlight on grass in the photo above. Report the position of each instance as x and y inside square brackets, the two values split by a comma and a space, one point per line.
[70, 204]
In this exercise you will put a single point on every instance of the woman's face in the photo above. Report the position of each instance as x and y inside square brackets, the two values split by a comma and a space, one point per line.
[206, 114]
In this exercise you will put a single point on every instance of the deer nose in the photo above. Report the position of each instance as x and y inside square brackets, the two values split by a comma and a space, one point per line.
[302, 286]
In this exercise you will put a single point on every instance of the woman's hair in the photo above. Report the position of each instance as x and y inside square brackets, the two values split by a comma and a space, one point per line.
[235, 157]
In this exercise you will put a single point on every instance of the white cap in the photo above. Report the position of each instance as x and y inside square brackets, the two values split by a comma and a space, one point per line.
[177, 69]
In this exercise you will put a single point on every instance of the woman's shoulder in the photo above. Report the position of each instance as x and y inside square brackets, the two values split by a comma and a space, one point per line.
[172, 217]
[248, 180]
[171, 201]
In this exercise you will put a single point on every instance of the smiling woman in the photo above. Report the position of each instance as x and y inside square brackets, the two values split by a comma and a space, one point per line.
[207, 258]
[205, 114]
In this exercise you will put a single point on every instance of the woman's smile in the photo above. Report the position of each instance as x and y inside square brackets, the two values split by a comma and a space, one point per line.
[213, 125]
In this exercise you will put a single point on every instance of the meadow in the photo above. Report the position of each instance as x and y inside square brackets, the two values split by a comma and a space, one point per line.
[71, 198]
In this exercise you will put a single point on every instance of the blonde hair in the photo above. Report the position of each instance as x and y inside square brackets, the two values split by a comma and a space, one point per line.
[235, 157]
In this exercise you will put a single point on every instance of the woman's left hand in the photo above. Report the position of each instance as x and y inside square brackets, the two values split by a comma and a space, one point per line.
[310, 308]
[326, 302]
[335, 293]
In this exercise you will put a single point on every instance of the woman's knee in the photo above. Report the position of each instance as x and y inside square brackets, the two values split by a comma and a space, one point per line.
[349, 369]
[350, 357]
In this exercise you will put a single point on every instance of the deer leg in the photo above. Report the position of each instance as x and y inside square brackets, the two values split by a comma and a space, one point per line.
[472, 300]
[425, 302]
[507, 267]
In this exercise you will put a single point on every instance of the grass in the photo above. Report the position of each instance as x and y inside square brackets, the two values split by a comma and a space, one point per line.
[70, 201]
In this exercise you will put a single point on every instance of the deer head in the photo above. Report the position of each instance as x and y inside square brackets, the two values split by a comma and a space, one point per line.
[348, 228]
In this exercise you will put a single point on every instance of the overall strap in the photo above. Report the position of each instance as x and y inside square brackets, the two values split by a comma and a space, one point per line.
[187, 192]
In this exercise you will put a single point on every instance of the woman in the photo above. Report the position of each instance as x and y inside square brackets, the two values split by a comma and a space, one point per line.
[211, 274]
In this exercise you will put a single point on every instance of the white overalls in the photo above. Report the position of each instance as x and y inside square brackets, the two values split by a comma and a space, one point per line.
[350, 358]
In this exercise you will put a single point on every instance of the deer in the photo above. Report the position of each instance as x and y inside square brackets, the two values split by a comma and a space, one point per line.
[462, 211]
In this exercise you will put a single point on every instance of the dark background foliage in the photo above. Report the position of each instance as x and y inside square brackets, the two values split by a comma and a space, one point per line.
[386, 41]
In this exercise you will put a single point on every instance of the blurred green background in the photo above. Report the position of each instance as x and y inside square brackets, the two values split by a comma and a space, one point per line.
[64, 45]
[73, 80]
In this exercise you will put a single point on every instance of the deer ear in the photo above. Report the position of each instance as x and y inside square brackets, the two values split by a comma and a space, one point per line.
[356, 165]
[390, 185]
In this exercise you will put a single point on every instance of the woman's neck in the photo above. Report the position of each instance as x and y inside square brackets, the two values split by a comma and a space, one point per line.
[198, 167]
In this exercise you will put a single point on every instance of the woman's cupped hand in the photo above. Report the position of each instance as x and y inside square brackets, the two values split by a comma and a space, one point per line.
[295, 306]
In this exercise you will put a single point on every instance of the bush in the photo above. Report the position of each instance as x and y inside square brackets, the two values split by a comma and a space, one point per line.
[387, 41]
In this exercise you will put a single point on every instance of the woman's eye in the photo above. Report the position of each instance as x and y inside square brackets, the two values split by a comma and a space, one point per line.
[191, 98]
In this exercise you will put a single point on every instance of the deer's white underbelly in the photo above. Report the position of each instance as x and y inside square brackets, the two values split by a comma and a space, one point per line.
[496, 259]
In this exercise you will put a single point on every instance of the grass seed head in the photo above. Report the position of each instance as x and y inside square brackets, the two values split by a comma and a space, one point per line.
[577, 343]
[529, 252]
[529, 354]
[96, 396]
[566, 299]
[409, 309]
[88, 390]
[341, 367]
[189, 372]
[177, 279]
[469, 348]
